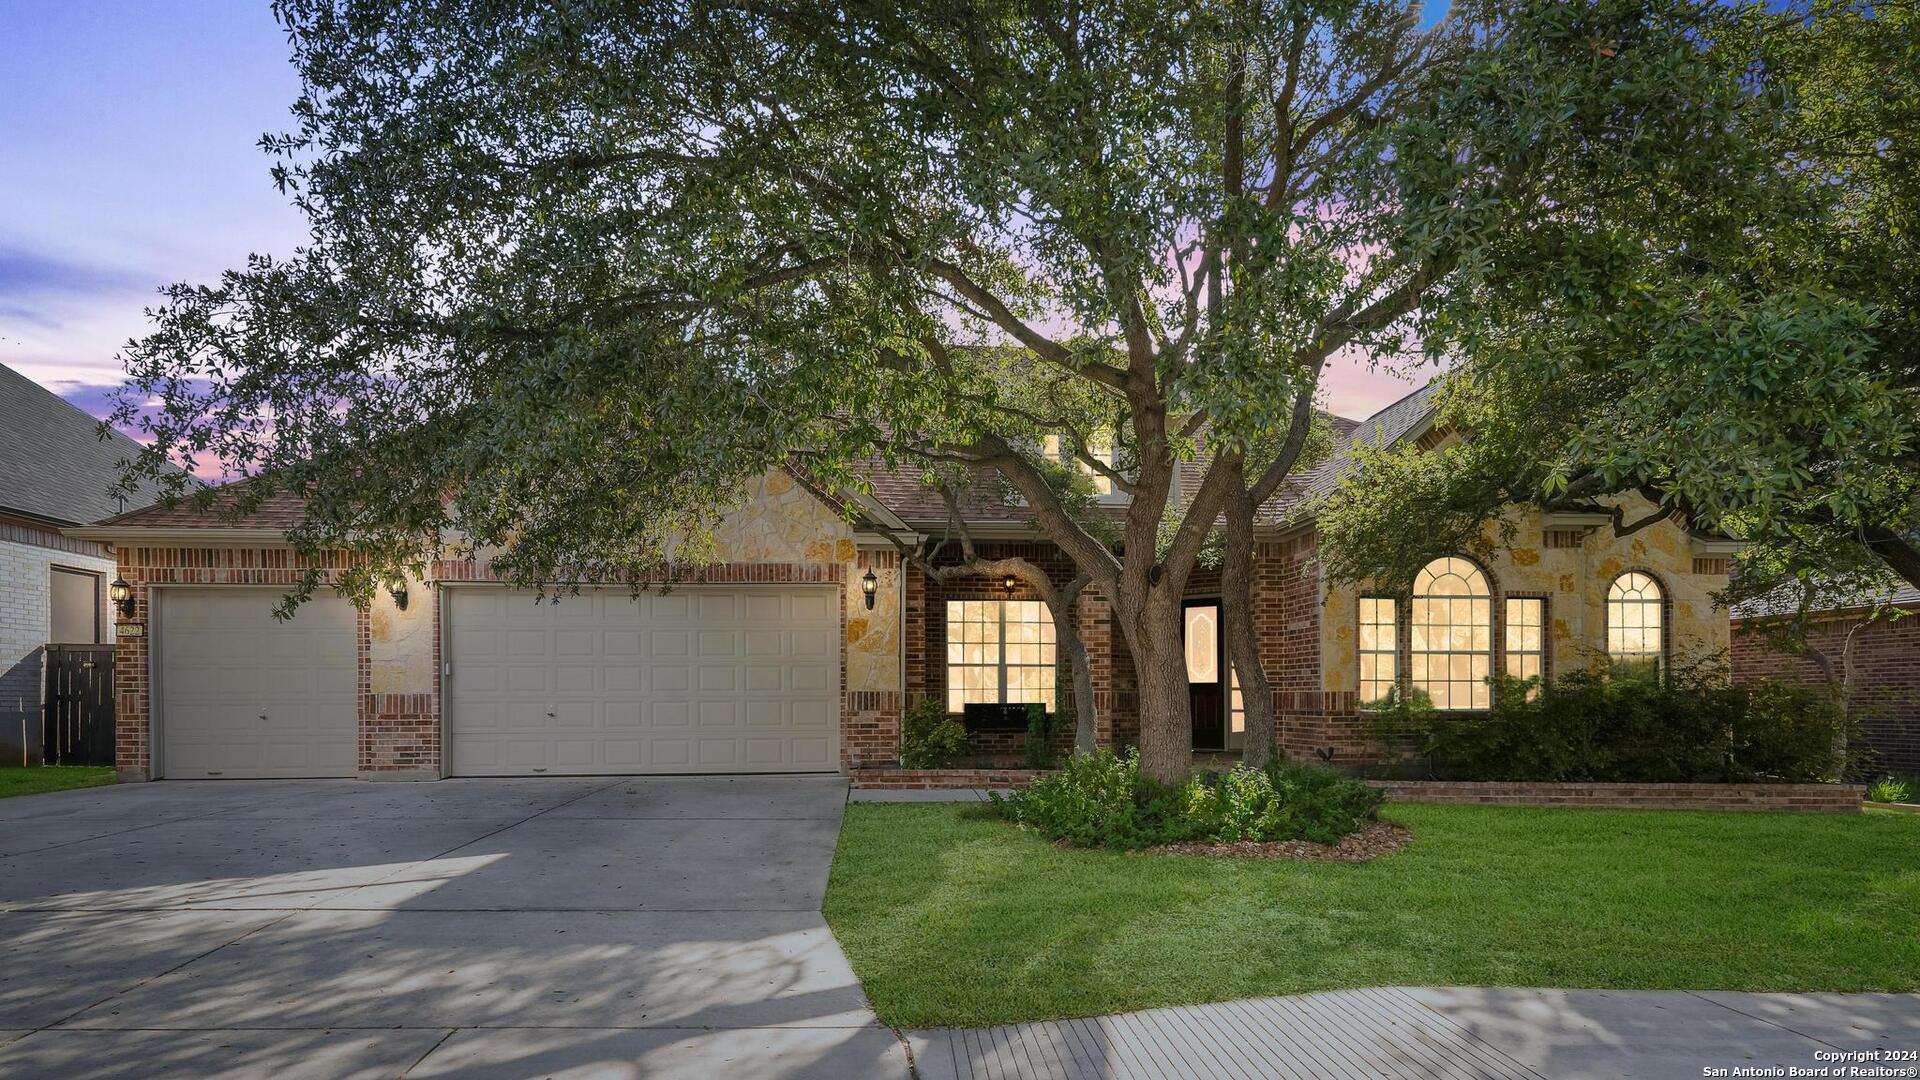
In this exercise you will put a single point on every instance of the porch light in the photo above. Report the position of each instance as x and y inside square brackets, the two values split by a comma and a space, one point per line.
[1009, 583]
[397, 588]
[122, 594]
[868, 586]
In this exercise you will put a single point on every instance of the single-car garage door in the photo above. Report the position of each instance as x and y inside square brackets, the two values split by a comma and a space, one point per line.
[244, 695]
[702, 679]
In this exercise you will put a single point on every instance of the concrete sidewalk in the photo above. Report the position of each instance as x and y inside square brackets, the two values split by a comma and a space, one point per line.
[1463, 1033]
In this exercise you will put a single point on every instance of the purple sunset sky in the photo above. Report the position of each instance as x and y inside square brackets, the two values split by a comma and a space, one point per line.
[128, 159]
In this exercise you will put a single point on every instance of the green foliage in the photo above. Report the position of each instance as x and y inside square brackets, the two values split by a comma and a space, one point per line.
[1750, 364]
[1102, 800]
[34, 779]
[1634, 727]
[1038, 752]
[1891, 789]
[929, 738]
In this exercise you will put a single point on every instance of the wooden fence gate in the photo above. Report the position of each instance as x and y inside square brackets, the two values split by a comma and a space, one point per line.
[77, 728]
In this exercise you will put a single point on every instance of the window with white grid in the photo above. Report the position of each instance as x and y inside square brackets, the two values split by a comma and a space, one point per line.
[1635, 620]
[1379, 648]
[1450, 635]
[1526, 638]
[999, 652]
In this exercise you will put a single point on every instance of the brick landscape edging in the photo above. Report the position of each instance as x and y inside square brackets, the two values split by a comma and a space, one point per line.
[1809, 798]
[940, 779]
[1812, 798]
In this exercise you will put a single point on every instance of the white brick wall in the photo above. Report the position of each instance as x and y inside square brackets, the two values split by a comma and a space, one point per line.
[24, 622]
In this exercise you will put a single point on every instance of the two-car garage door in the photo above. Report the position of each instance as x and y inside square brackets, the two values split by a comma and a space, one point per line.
[699, 679]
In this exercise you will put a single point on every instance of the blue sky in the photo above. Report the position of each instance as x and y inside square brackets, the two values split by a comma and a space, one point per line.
[128, 159]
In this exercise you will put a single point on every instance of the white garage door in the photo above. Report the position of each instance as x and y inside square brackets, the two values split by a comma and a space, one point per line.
[243, 695]
[703, 679]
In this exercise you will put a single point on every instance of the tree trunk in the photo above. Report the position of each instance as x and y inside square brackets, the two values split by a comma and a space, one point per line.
[1166, 713]
[1066, 631]
[1243, 643]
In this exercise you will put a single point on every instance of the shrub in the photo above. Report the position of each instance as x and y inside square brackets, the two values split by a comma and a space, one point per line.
[929, 738]
[1684, 727]
[1890, 789]
[1041, 725]
[1101, 800]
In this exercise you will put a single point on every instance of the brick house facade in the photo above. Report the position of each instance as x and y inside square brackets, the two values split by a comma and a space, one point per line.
[1886, 681]
[892, 645]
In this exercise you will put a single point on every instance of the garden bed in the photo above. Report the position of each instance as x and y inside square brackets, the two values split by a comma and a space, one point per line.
[1371, 842]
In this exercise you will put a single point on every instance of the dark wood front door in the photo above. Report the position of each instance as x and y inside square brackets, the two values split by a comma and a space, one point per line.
[1206, 674]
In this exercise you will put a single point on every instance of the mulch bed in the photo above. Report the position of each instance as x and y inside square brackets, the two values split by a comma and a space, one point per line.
[1377, 839]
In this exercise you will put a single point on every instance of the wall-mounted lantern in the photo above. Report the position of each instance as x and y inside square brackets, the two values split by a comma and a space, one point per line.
[397, 588]
[122, 594]
[869, 585]
[1009, 583]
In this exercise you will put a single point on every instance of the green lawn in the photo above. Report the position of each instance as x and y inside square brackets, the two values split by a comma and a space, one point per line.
[950, 918]
[15, 780]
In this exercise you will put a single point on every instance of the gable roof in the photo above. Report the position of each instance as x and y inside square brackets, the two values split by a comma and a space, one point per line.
[278, 511]
[985, 500]
[1400, 420]
[54, 464]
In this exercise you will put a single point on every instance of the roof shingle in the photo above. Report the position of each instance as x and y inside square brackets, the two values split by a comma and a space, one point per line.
[54, 464]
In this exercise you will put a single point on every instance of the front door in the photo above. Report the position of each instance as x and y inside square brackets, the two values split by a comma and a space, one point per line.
[1206, 689]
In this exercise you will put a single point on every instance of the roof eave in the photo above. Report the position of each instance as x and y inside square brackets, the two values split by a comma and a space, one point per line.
[181, 535]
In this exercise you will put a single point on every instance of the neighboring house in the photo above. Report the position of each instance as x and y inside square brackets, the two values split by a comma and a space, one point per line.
[55, 472]
[1884, 651]
[771, 660]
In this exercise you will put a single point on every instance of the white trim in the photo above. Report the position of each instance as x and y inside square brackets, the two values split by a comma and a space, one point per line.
[1574, 519]
[1717, 547]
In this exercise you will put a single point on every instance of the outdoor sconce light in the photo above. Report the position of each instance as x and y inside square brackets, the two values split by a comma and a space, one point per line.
[868, 586]
[122, 594]
[397, 588]
[1008, 583]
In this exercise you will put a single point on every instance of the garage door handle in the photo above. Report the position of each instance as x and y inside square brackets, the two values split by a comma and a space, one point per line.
[263, 716]
[550, 716]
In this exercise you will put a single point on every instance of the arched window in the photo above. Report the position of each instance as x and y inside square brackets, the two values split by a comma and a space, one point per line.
[1451, 635]
[1636, 620]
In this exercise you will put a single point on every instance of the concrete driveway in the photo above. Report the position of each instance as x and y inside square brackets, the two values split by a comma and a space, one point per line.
[472, 928]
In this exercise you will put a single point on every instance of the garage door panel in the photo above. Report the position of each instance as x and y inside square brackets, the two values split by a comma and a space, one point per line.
[244, 695]
[700, 679]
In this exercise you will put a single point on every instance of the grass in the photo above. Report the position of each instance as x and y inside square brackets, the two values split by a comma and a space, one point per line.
[34, 780]
[953, 918]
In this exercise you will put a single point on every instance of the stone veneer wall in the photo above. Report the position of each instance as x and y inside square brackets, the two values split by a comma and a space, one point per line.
[1571, 569]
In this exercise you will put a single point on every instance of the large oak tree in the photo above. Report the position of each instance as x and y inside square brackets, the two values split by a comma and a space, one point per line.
[580, 270]
[1756, 370]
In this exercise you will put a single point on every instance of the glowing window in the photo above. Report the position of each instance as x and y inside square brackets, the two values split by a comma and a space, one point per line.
[1635, 620]
[1450, 635]
[1379, 648]
[1526, 638]
[999, 652]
